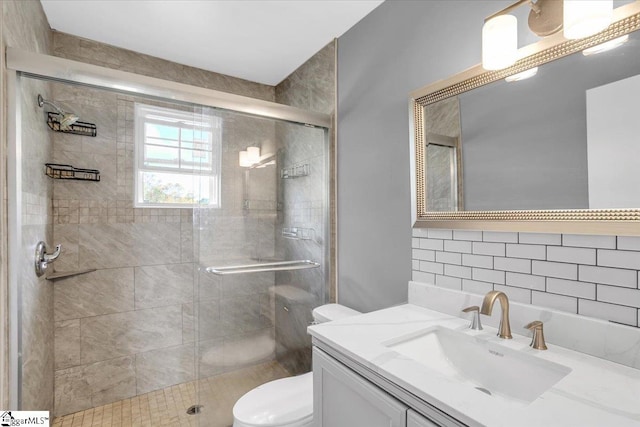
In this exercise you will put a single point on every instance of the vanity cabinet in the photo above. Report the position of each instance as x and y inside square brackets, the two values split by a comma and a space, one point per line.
[343, 398]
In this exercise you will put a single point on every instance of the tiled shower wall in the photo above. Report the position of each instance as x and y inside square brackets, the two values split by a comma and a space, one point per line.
[130, 327]
[141, 301]
[24, 26]
[594, 276]
[305, 203]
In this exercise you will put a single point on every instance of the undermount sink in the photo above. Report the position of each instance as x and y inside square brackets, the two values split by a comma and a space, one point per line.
[488, 367]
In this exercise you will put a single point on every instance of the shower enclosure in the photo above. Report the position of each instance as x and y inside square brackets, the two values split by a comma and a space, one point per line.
[192, 265]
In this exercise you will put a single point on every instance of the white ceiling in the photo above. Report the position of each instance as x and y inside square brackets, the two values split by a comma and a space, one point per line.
[262, 41]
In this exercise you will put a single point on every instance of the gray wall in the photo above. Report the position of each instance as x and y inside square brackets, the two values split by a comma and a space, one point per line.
[397, 48]
[380, 60]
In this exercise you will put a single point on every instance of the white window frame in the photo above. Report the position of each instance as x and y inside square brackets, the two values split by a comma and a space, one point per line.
[186, 119]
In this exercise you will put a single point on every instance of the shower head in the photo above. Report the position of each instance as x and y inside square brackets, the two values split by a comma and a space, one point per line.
[66, 119]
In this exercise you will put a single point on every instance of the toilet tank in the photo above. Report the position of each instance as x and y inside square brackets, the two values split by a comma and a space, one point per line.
[329, 312]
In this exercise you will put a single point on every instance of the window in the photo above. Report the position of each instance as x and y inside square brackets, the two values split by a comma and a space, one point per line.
[177, 158]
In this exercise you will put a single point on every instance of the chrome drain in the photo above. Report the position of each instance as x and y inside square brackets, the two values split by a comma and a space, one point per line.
[194, 410]
[484, 390]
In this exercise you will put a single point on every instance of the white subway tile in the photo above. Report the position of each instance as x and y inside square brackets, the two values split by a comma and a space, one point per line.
[571, 288]
[525, 281]
[515, 294]
[449, 282]
[415, 264]
[608, 276]
[433, 244]
[457, 271]
[457, 246]
[518, 265]
[601, 310]
[618, 295]
[484, 275]
[483, 248]
[477, 261]
[419, 232]
[467, 235]
[574, 255]
[540, 238]
[500, 236]
[421, 276]
[588, 241]
[559, 302]
[423, 254]
[415, 242]
[476, 287]
[431, 267]
[630, 243]
[437, 233]
[621, 259]
[555, 269]
[449, 257]
[527, 251]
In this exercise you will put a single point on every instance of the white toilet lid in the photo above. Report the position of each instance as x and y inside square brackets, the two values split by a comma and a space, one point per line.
[276, 403]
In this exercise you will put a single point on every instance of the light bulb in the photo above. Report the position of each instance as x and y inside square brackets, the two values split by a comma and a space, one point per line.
[523, 75]
[584, 18]
[499, 42]
[244, 159]
[603, 47]
[253, 154]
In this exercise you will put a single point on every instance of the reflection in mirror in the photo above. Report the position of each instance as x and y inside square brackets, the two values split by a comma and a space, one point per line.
[567, 138]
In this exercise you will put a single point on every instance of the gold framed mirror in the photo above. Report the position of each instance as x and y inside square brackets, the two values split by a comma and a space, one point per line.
[433, 112]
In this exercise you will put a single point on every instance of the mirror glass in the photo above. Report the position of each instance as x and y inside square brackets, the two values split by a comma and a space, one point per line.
[566, 138]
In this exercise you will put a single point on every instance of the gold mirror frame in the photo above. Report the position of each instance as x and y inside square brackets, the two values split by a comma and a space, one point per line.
[588, 221]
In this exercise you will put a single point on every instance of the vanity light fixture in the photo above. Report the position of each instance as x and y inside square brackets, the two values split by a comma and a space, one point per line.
[249, 157]
[578, 18]
[500, 31]
[611, 44]
[523, 75]
[584, 18]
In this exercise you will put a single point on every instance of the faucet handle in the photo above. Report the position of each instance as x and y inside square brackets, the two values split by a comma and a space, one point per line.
[475, 320]
[537, 341]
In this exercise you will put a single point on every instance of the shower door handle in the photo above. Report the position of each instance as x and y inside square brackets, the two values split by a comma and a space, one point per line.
[43, 259]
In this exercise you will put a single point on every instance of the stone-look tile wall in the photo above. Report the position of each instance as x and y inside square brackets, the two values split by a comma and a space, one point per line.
[25, 26]
[148, 317]
[594, 276]
[139, 323]
[304, 205]
[92, 52]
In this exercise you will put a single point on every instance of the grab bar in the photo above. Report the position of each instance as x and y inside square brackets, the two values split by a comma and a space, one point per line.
[264, 267]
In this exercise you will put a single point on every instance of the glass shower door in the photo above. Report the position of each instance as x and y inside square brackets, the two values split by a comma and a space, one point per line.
[253, 300]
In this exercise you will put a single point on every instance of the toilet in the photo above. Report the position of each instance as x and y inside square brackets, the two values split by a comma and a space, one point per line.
[287, 402]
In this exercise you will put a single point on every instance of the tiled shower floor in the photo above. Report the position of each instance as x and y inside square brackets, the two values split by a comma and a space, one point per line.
[167, 407]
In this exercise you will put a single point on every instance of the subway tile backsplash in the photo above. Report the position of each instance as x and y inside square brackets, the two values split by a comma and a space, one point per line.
[594, 276]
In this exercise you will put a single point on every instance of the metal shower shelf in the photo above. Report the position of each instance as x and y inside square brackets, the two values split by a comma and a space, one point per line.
[78, 128]
[264, 267]
[58, 171]
[295, 171]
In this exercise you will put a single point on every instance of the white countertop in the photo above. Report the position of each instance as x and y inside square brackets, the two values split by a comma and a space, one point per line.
[596, 392]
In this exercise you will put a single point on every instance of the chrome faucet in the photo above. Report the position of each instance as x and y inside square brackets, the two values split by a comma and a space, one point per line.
[504, 330]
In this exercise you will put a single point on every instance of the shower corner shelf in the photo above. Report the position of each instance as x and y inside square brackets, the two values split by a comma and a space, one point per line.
[64, 274]
[78, 128]
[57, 171]
[295, 171]
[298, 233]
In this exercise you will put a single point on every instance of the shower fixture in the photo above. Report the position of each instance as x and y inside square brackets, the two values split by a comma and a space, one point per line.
[66, 119]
